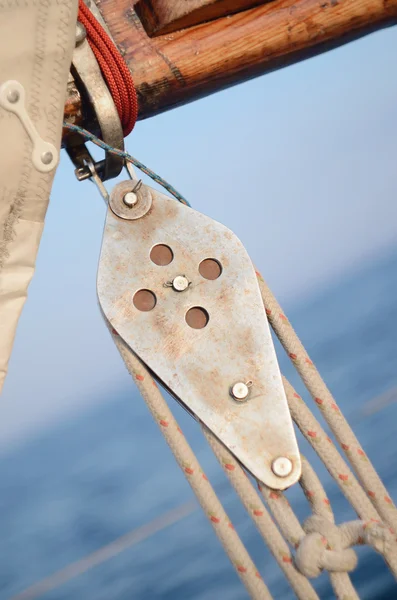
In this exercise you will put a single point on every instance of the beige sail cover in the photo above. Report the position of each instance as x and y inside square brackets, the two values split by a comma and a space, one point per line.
[36, 44]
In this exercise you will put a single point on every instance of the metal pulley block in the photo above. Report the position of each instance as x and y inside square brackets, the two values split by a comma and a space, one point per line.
[181, 291]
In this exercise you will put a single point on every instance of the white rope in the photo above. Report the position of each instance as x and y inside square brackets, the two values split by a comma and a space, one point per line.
[302, 552]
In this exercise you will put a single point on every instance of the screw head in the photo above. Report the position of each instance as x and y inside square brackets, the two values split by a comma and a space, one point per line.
[130, 199]
[13, 96]
[282, 466]
[240, 391]
[47, 157]
[180, 283]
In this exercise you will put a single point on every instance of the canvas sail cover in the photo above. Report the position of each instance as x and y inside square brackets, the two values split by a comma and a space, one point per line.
[36, 43]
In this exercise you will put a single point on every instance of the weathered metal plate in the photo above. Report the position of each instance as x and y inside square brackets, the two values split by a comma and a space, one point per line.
[200, 366]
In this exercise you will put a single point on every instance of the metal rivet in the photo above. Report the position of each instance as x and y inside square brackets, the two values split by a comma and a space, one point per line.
[13, 96]
[282, 466]
[80, 33]
[130, 199]
[240, 391]
[180, 283]
[47, 158]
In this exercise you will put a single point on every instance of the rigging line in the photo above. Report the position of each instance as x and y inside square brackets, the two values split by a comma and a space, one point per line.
[95, 140]
[107, 552]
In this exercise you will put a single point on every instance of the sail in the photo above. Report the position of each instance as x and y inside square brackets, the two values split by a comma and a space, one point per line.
[36, 44]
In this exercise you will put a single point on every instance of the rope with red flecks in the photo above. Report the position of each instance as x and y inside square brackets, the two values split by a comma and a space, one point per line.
[113, 67]
[302, 552]
[324, 400]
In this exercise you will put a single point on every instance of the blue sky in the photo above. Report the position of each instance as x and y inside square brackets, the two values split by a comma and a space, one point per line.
[301, 164]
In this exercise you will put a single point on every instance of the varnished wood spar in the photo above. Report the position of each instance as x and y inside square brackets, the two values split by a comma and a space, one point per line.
[173, 69]
[165, 16]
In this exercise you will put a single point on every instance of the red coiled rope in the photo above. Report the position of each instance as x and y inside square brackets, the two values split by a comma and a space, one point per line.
[114, 70]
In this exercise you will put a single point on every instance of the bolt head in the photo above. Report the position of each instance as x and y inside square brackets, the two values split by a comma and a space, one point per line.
[282, 466]
[130, 199]
[180, 283]
[240, 391]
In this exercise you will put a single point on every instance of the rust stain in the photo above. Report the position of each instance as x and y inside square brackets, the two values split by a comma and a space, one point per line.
[198, 366]
[123, 308]
[173, 343]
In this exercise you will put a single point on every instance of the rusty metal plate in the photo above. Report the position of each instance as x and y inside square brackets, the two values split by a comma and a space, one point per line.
[181, 290]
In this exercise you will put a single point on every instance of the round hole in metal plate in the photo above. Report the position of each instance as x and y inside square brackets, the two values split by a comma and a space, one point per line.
[210, 269]
[197, 317]
[145, 300]
[161, 255]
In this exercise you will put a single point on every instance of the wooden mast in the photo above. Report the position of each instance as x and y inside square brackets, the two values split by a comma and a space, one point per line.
[237, 43]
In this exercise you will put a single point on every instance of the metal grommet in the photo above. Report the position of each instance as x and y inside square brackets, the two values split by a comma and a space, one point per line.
[123, 203]
[47, 157]
[13, 96]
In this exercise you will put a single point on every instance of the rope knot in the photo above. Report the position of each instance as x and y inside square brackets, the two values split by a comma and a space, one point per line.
[379, 537]
[323, 547]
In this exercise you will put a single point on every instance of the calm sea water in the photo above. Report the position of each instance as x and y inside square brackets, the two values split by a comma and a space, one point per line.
[96, 477]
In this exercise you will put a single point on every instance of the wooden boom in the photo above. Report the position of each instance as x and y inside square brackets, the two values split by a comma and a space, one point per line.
[239, 43]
